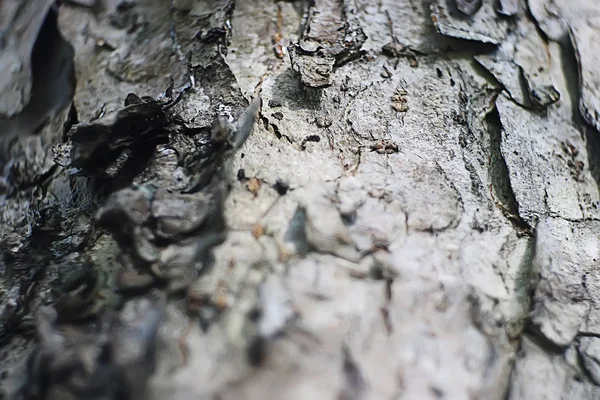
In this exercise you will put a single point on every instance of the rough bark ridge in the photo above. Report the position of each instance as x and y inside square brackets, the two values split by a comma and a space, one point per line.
[415, 214]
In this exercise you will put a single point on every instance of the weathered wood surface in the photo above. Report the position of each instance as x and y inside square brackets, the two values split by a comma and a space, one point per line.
[415, 214]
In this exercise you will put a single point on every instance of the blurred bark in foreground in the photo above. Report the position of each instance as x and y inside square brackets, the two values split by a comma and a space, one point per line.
[414, 215]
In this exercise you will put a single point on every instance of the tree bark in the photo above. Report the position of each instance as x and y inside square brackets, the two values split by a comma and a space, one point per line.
[344, 199]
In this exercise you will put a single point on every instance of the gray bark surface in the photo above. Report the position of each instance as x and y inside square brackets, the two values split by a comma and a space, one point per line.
[329, 199]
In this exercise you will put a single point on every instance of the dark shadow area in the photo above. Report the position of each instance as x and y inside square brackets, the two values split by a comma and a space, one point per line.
[292, 94]
[499, 176]
[592, 136]
[53, 85]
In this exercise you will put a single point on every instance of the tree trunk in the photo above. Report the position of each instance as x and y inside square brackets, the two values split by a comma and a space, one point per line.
[346, 199]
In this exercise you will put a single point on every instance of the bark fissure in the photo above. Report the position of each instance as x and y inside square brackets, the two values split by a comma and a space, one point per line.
[501, 188]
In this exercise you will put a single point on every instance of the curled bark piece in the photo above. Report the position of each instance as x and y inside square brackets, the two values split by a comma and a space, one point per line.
[468, 7]
[586, 42]
[522, 64]
[544, 96]
[508, 7]
[245, 124]
[482, 26]
[314, 71]
[332, 37]
[576, 20]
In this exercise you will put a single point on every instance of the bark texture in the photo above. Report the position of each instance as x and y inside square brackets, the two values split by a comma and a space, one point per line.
[414, 214]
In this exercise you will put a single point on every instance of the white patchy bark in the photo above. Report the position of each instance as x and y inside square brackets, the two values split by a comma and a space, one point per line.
[439, 238]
